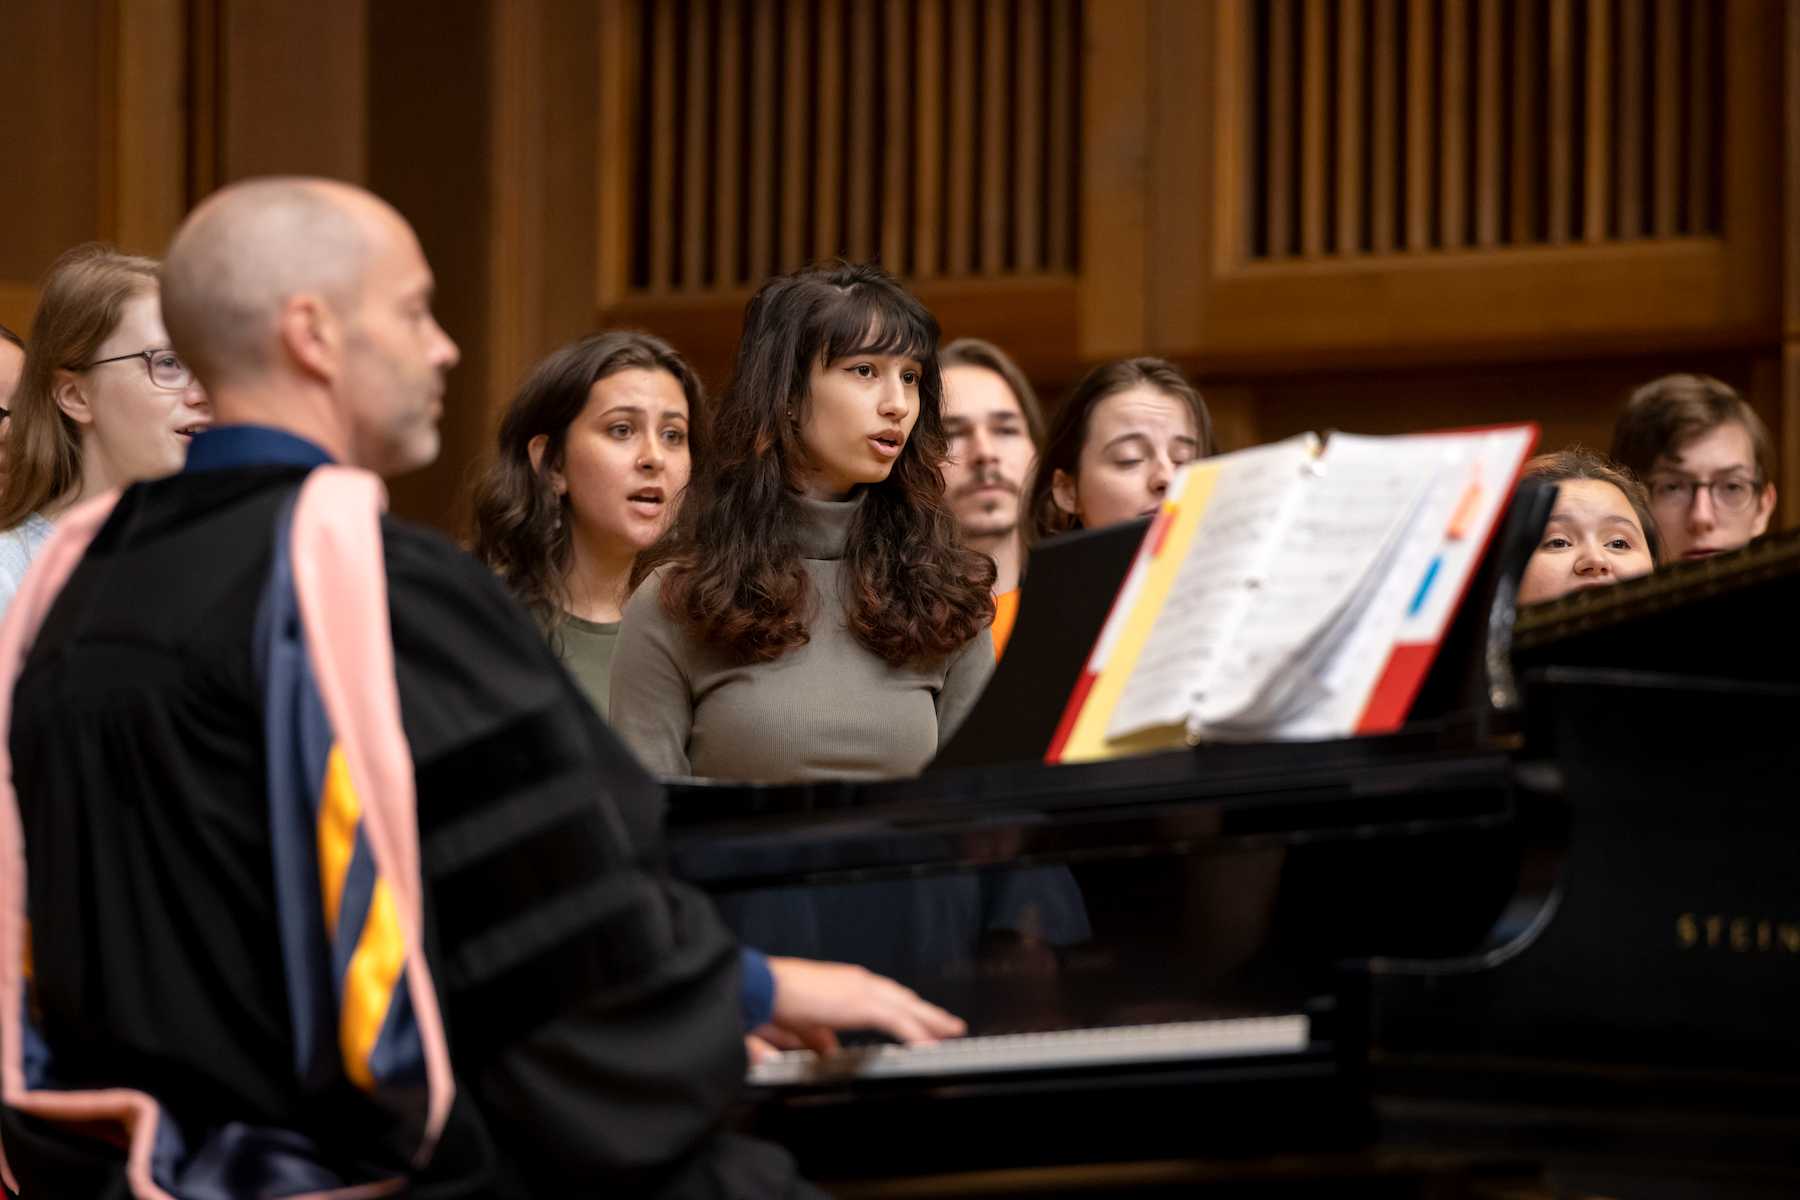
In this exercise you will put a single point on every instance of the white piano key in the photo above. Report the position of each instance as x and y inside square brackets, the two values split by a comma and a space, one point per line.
[1175, 1042]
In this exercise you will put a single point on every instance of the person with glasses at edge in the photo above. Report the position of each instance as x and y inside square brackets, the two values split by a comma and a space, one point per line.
[12, 365]
[102, 402]
[1707, 460]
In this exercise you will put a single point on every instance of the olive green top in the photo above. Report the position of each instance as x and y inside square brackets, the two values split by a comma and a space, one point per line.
[587, 650]
[830, 709]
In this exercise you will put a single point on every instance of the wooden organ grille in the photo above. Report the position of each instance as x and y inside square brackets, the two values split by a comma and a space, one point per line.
[1404, 126]
[937, 136]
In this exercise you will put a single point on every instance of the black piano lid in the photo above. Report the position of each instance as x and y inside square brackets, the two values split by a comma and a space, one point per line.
[1451, 716]
[735, 836]
[1450, 765]
[1068, 591]
[1710, 618]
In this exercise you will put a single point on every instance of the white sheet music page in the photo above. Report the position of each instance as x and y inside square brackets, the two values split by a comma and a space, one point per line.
[1498, 455]
[1348, 675]
[1357, 501]
[1224, 572]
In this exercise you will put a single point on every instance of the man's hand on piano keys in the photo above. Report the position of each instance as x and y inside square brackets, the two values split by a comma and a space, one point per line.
[813, 1000]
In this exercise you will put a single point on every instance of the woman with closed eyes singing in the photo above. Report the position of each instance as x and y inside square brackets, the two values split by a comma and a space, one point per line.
[1116, 445]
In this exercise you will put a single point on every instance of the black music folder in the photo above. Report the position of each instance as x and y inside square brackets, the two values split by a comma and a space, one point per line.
[1068, 591]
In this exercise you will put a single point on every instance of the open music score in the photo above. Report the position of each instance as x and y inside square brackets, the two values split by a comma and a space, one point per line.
[1182, 1041]
[1293, 591]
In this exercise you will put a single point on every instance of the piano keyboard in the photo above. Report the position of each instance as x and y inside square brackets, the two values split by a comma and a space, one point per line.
[1176, 1042]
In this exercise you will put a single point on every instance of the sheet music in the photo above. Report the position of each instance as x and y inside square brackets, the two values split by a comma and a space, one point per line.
[1348, 675]
[1227, 565]
[1329, 565]
[1498, 455]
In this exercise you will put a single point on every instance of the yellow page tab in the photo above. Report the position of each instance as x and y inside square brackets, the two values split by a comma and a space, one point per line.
[1087, 739]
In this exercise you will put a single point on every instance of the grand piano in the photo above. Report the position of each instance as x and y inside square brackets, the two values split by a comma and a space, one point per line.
[1552, 926]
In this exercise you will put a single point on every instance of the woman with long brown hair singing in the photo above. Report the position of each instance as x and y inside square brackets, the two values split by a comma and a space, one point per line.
[594, 454]
[812, 615]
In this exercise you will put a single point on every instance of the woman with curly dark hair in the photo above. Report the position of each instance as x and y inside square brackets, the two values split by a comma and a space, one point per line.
[812, 614]
[595, 452]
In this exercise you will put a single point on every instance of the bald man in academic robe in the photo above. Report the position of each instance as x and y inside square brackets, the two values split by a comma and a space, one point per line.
[591, 1013]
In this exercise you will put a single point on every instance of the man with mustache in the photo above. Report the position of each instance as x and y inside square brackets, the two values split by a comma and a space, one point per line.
[996, 430]
[1707, 459]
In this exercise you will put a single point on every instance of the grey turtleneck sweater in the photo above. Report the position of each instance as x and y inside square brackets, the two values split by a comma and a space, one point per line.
[828, 710]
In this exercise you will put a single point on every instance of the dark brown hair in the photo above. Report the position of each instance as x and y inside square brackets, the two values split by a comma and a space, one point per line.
[81, 302]
[1068, 433]
[973, 352]
[1667, 412]
[1578, 462]
[734, 577]
[520, 530]
[7, 335]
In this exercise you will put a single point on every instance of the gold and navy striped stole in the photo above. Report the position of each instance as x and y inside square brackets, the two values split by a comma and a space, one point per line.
[342, 946]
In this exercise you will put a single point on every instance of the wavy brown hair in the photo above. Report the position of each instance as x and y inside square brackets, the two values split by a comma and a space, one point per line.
[733, 574]
[1068, 433]
[520, 526]
[82, 301]
[1667, 413]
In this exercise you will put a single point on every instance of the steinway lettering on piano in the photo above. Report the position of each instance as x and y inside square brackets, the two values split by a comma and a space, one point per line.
[1740, 935]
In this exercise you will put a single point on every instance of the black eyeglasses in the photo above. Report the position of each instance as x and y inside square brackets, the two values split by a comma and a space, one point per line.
[166, 369]
[1732, 494]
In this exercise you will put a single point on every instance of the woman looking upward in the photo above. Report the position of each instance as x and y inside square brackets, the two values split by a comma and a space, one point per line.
[812, 614]
[1601, 531]
[595, 452]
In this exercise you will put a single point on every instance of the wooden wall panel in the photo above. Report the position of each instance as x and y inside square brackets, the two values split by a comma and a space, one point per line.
[1297, 198]
[1252, 296]
[1180, 146]
[430, 154]
[567, 123]
[295, 82]
[147, 175]
[51, 80]
[615, 176]
[1605, 98]
[1116, 193]
[939, 137]
[1574, 402]
[541, 187]
[95, 134]
[516, 187]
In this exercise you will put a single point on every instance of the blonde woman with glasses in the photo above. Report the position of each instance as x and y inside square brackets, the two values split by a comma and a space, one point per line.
[104, 400]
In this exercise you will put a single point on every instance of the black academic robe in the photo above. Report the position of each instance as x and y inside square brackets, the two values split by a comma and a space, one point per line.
[592, 1004]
